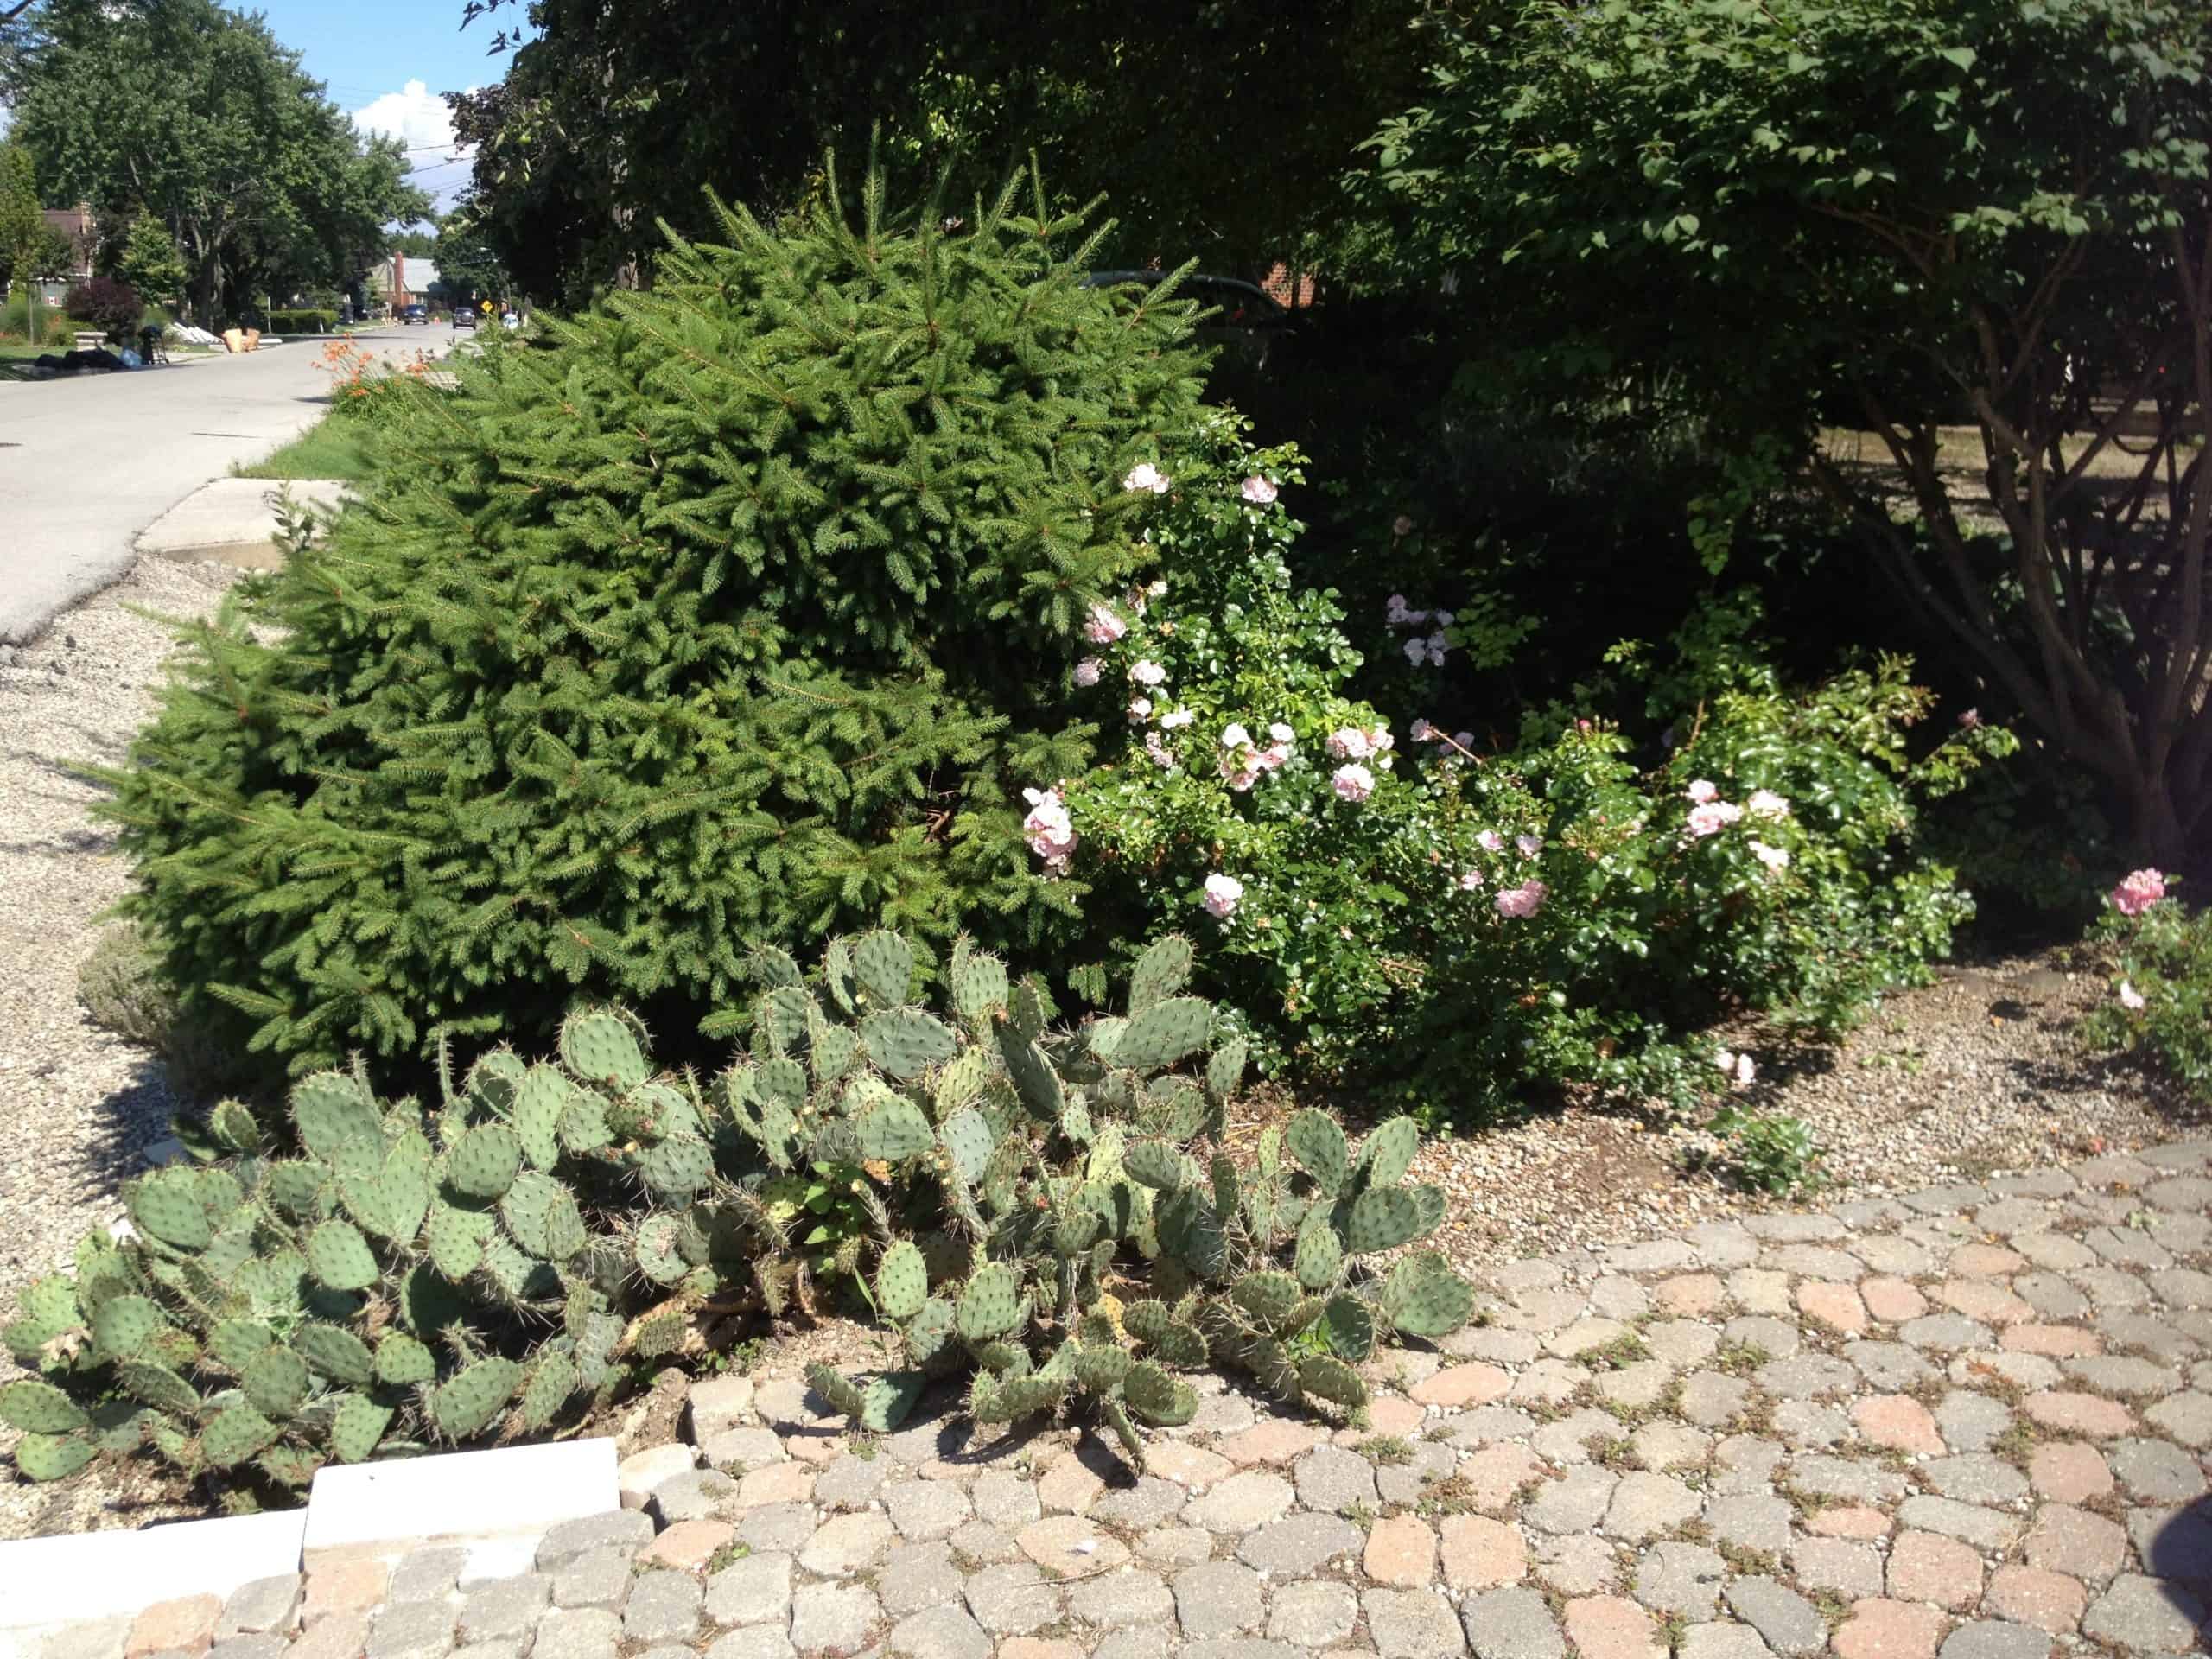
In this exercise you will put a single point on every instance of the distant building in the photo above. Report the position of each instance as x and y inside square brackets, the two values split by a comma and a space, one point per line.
[399, 280]
[76, 224]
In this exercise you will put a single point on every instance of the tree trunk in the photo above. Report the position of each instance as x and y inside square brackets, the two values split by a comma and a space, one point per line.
[2158, 835]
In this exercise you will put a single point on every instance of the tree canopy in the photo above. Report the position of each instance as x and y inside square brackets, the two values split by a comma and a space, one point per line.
[1216, 131]
[1894, 217]
[197, 115]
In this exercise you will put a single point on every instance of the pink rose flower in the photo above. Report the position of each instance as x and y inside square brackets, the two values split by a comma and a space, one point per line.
[1086, 671]
[1177, 719]
[1401, 525]
[1051, 834]
[1283, 736]
[1147, 672]
[1702, 790]
[1970, 719]
[1417, 652]
[1140, 708]
[1352, 782]
[1258, 491]
[1491, 841]
[1222, 894]
[1422, 730]
[1349, 743]
[2138, 892]
[1104, 626]
[1234, 736]
[2131, 999]
[1773, 857]
[1470, 880]
[1712, 817]
[1522, 901]
[1530, 845]
[1146, 476]
[1766, 804]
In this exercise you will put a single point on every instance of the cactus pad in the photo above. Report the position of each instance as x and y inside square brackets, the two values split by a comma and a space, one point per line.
[1268, 1298]
[1016, 1397]
[990, 1306]
[1156, 1398]
[235, 1342]
[166, 1205]
[492, 1082]
[831, 1050]
[583, 1122]
[334, 1351]
[339, 1258]
[484, 1161]
[237, 1432]
[1319, 1144]
[979, 983]
[1380, 1218]
[1165, 1033]
[275, 1381]
[883, 967]
[1226, 1070]
[234, 1127]
[295, 1185]
[1154, 1163]
[1326, 1377]
[786, 1017]
[391, 1204]
[467, 1402]
[1101, 1370]
[51, 1457]
[40, 1408]
[906, 1042]
[540, 1100]
[655, 1249]
[331, 1109]
[159, 1387]
[893, 1130]
[600, 1047]
[1424, 1298]
[1348, 1327]
[1161, 972]
[456, 1238]
[966, 1139]
[1388, 1154]
[357, 1428]
[1031, 1074]
[541, 1215]
[902, 1282]
[124, 1325]
[553, 1380]
[1319, 1255]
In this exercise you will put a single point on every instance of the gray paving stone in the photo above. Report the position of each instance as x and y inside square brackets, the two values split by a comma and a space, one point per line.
[1678, 1578]
[785, 1526]
[1402, 1482]
[980, 1544]
[431, 1574]
[1013, 1600]
[1790, 1624]
[1888, 1367]
[2038, 1183]
[851, 1482]
[599, 1578]
[1975, 1478]
[666, 1650]
[1994, 1638]
[1116, 1600]
[1750, 1522]
[1299, 1544]
[1945, 1333]
[1147, 1502]
[1240, 1647]
[2186, 1417]
[1747, 1464]
[743, 1449]
[1645, 1505]
[506, 1608]
[833, 1619]
[1945, 1201]
[335, 1636]
[1316, 1614]
[1814, 1261]
[846, 1544]
[2123, 1375]
[699, 1494]
[754, 1642]
[1138, 1644]
[1722, 1244]
[1810, 1426]
[420, 1630]
[1217, 1599]
[1852, 1480]
[1787, 1227]
[2051, 1296]
[2144, 1615]
[916, 1577]
[1413, 1624]
[2113, 1288]
[945, 1632]
[754, 1591]
[1713, 1399]
[1574, 1502]
[262, 1606]
[1330, 1477]
[1987, 1531]
[664, 1607]
[1847, 1568]
[621, 1529]
[2127, 1247]
[922, 1509]
[1241, 1502]
[1577, 1566]
[1971, 1422]
[1004, 1498]
[1721, 1640]
[1682, 1344]
[1777, 1338]
[2057, 1252]
[503, 1647]
[89, 1639]
[2162, 1335]
[2156, 1471]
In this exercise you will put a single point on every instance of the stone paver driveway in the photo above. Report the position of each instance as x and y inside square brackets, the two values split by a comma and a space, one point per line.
[1970, 1423]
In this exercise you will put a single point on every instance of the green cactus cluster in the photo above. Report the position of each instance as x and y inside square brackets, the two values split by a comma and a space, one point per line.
[1023, 1209]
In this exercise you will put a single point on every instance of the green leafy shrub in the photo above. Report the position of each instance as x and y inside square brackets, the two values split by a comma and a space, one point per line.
[1564, 907]
[739, 611]
[2160, 956]
[312, 320]
[1765, 1152]
[121, 987]
[483, 1268]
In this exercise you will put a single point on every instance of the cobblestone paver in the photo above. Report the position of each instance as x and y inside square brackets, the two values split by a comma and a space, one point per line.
[1966, 1424]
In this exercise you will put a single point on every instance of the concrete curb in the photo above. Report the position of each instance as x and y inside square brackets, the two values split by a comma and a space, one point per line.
[233, 512]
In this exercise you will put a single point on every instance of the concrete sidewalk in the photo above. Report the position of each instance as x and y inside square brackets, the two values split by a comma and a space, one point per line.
[234, 513]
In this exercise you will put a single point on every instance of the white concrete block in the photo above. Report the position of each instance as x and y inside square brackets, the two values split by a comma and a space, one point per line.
[354, 1508]
[98, 1575]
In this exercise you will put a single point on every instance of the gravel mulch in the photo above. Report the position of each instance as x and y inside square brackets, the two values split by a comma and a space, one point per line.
[82, 1104]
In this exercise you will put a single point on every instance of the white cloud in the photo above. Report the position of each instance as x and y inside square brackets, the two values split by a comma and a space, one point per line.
[419, 118]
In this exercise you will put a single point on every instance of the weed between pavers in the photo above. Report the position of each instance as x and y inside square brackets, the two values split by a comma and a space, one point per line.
[1673, 1630]
[1742, 1558]
[1388, 1448]
[728, 1555]
[1739, 1359]
[1622, 1351]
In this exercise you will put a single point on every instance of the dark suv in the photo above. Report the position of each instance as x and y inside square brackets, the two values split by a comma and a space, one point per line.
[417, 313]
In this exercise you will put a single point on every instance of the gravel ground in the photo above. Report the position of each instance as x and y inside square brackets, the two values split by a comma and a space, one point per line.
[1975, 1075]
[82, 1104]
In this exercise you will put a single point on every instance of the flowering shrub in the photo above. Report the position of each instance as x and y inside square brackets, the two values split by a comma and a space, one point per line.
[1554, 911]
[363, 387]
[2160, 960]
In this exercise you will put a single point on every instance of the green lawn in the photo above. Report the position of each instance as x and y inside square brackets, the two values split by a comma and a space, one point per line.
[329, 449]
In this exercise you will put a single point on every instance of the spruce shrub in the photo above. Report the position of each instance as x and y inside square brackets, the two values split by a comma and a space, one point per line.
[720, 615]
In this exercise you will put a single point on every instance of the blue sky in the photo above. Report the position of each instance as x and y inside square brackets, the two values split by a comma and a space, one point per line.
[388, 61]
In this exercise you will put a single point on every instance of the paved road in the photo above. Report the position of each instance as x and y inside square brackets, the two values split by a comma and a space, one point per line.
[88, 461]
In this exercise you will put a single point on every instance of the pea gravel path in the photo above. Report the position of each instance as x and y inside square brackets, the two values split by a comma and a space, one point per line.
[1970, 1423]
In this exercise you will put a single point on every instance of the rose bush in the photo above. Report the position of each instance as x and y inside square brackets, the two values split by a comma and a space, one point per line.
[2159, 958]
[1476, 917]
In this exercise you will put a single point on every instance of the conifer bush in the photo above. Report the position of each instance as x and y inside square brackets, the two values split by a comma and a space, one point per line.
[727, 614]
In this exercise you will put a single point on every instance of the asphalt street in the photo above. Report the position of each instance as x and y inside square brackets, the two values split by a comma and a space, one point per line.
[88, 461]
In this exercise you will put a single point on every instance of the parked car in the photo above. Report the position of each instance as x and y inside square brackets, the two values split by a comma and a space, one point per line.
[464, 317]
[417, 313]
[1247, 322]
